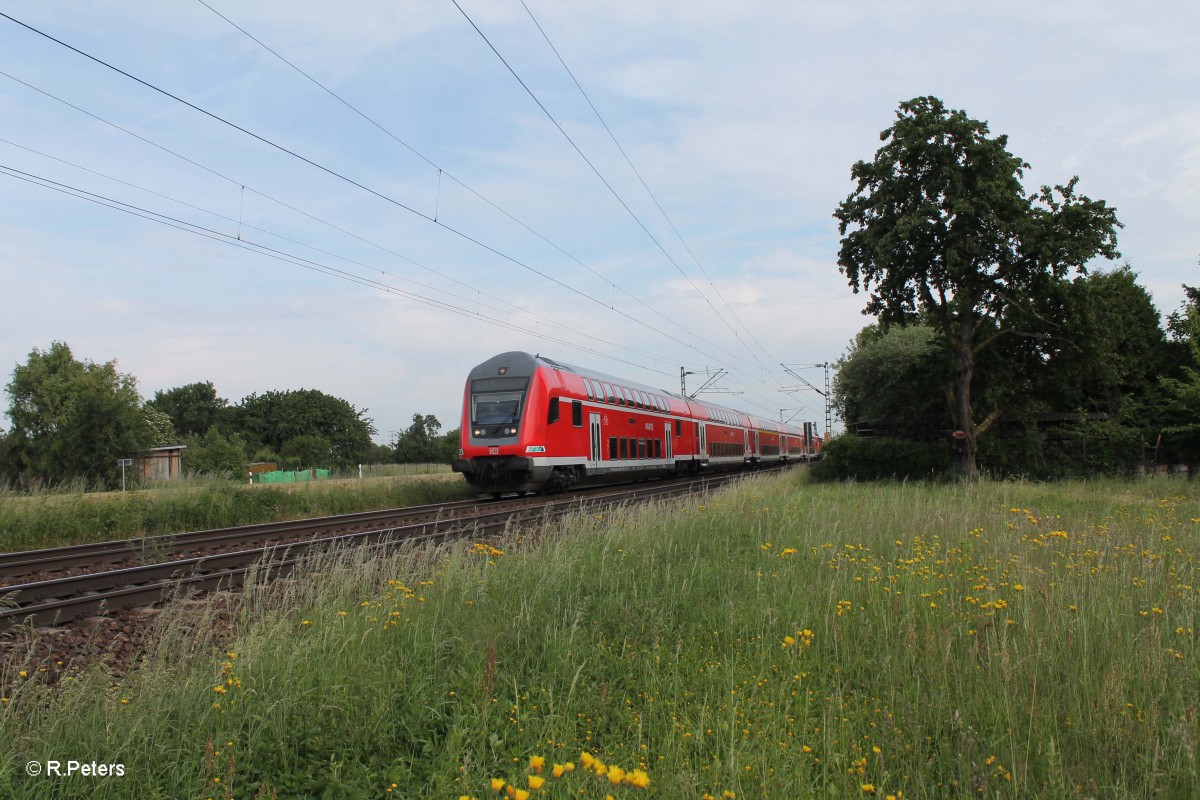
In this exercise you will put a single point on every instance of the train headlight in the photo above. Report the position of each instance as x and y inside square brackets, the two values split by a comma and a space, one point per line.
[511, 431]
[478, 432]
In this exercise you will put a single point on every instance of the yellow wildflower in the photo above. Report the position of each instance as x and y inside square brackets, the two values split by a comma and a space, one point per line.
[536, 763]
[638, 778]
[536, 781]
[557, 770]
[615, 774]
[497, 784]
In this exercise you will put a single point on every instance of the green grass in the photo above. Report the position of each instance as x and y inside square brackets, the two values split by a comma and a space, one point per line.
[778, 640]
[54, 518]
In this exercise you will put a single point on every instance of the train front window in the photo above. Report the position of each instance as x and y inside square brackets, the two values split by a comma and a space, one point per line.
[497, 402]
[496, 408]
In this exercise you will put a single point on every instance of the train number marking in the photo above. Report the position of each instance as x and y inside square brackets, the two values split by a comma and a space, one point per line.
[493, 451]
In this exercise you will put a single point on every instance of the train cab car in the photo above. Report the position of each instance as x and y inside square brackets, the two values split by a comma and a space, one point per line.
[532, 424]
[498, 430]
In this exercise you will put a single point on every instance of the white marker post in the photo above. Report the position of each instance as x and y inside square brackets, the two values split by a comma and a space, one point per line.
[124, 462]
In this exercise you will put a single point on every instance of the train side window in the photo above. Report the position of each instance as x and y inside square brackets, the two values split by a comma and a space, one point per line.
[612, 448]
[657, 448]
[577, 413]
[641, 448]
[678, 428]
[620, 395]
[587, 387]
[624, 442]
[552, 411]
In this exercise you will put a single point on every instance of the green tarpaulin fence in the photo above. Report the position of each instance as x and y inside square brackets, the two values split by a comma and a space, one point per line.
[297, 476]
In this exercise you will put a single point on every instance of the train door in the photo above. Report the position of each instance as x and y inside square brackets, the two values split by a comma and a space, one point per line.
[594, 454]
[757, 446]
[667, 442]
[748, 451]
[703, 448]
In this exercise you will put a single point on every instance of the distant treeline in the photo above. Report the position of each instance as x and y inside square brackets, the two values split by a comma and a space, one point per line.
[71, 421]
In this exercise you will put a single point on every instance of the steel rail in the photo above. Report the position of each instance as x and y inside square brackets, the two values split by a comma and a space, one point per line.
[73, 597]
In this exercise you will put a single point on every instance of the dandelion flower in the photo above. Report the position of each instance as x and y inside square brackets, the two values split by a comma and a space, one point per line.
[615, 774]
[638, 778]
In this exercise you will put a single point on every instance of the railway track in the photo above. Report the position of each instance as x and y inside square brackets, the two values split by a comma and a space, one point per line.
[184, 564]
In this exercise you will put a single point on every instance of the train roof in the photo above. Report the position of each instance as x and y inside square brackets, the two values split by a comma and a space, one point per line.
[521, 364]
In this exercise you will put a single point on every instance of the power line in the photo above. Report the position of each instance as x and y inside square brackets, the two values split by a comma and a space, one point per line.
[235, 182]
[442, 171]
[352, 182]
[642, 180]
[604, 180]
[290, 258]
[382, 196]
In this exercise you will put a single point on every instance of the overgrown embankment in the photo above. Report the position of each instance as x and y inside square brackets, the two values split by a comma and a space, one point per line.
[777, 640]
[51, 519]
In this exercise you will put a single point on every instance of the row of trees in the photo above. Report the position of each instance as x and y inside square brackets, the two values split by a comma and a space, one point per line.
[986, 316]
[72, 419]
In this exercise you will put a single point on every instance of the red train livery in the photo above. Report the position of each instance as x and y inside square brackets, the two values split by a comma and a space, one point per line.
[532, 424]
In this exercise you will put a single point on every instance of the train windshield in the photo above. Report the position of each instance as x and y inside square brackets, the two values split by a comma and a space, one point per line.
[497, 401]
[496, 408]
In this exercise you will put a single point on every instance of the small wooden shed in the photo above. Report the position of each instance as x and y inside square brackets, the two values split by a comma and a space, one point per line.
[162, 463]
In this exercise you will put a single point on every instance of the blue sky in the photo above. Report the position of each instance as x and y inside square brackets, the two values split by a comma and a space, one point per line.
[743, 118]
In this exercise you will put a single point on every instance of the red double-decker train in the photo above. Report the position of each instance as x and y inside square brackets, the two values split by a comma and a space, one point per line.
[532, 424]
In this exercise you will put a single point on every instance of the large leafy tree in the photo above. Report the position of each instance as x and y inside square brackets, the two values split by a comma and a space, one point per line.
[273, 419]
[73, 419]
[422, 442]
[1102, 347]
[193, 408]
[1182, 394]
[939, 226]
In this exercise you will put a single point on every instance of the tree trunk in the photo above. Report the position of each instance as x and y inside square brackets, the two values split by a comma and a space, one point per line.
[964, 372]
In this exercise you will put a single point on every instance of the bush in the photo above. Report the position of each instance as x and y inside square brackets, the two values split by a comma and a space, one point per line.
[1071, 450]
[865, 459]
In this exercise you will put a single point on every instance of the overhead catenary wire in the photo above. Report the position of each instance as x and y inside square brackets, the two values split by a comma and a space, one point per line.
[536, 319]
[291, 258]
[335, 173]
[243, 187]
[605, 181]
[641, 180]
[442, 172]
[378, 194]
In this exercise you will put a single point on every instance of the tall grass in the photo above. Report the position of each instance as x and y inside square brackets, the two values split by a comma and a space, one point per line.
[778, 640]
[53, 518]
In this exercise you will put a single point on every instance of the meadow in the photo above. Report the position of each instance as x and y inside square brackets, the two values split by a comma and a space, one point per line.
[776, 640]
[51, 518]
